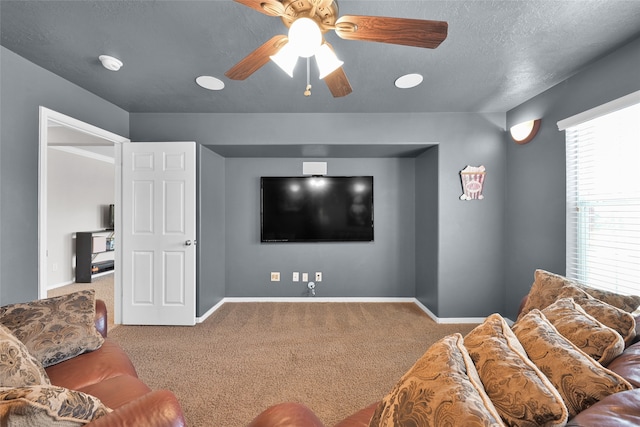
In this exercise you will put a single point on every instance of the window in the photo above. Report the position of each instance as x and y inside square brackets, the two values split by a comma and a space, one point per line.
[603, 199]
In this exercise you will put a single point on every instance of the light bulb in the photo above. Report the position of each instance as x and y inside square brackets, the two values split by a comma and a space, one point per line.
[305, 37]
[327, 61]
[286, 59]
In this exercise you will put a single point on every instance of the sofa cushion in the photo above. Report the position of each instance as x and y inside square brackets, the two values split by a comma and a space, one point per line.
[55, 329]
[580, 380]
[619, 320]
[109, 361]
[48, 406]
[519, 391]
[17, 366]
[584, 331]
[547, 286]
[442, 388]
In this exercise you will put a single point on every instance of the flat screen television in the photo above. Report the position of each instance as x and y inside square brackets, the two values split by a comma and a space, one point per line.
[316, 209]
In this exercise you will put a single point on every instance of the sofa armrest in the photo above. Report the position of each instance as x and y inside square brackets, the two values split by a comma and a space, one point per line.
[156, 409]
[101, 317]
[620, 409]
[286, 414]
[360, 418]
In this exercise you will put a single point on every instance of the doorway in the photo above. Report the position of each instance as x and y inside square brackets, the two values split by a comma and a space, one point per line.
[59, 130]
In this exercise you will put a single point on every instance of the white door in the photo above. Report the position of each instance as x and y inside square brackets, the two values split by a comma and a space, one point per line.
[159, 230]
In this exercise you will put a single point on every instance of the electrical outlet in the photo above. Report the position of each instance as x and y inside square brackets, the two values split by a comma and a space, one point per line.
[296, 276]
[318, 276]
[305, 277]
[275, 276]
[54, 266]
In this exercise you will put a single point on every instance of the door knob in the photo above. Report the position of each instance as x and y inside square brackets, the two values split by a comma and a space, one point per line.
[187, 243]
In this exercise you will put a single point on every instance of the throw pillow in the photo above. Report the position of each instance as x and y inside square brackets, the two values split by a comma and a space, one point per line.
[48, 406]
[544, 291]
[18, 368]
[55, 329]
[520, 392]
[628, 303]
[547, 286]
[442, 388]
[580, 380]
[619, 320]
[584, 331]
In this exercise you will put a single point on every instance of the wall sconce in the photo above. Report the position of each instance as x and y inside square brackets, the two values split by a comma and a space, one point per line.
[525, 131]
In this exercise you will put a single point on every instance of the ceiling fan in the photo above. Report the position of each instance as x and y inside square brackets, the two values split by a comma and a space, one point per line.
[323, 14]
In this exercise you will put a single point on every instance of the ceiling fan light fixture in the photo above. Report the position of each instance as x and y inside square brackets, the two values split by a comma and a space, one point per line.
[286, 59]
[327, 61]
[305, 37]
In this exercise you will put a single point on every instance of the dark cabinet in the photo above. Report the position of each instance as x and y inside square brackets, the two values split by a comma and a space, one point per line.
[90, 245]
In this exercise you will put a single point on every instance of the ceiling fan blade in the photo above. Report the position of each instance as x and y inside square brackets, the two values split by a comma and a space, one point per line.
[402, 31]
[256, 59]
[338, 83]
[268, 7]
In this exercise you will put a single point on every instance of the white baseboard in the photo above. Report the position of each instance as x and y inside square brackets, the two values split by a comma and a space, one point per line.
[59, 285]
[450, 320]
[435, 318]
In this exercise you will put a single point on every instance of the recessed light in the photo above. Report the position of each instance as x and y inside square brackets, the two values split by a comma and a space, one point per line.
[408, 81]
[209, 82]
[110, 63]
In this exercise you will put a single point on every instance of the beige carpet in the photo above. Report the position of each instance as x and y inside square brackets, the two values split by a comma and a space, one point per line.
[103, 285]
[334, 357]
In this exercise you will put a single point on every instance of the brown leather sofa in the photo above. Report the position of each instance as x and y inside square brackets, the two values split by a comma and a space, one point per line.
[109, 375]
[618, 410]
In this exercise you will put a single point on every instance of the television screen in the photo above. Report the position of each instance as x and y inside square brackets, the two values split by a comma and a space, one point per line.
[316, 209]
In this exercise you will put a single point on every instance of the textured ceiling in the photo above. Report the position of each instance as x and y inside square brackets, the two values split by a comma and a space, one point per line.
[497, 54]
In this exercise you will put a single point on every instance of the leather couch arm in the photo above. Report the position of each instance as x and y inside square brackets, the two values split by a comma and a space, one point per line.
[156, 409]
[620, 409]
[287, 414]
[101, 317]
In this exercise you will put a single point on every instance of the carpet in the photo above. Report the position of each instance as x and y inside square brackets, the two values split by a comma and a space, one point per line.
[335, 358]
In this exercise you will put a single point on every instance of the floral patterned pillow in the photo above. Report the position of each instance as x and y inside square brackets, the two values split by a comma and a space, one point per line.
[442, 388]
[520, 392]
[619, 320]
[17, 367]
[544, 291]
[547, 286]
[580, 380]
[628, 303]
[48, 406]
[55, 329]
[584, 331]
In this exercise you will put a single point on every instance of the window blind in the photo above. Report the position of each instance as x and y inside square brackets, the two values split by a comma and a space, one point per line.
[603, 201]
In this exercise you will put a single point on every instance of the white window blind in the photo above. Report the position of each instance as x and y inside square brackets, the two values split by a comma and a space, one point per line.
[603, 201]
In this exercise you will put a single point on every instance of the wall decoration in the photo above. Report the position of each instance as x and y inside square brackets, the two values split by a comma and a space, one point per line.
[472, 182]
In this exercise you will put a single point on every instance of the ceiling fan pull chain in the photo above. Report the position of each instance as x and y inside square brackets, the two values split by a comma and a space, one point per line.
[307, 91]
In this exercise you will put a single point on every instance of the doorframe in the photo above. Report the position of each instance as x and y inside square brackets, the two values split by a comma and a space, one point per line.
[47, 116]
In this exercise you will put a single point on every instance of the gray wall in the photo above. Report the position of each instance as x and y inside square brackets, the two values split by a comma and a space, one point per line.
[469, 278]
[426, 231]
[211, 257]
[25, 87]
[535, 209]
[382, 268]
